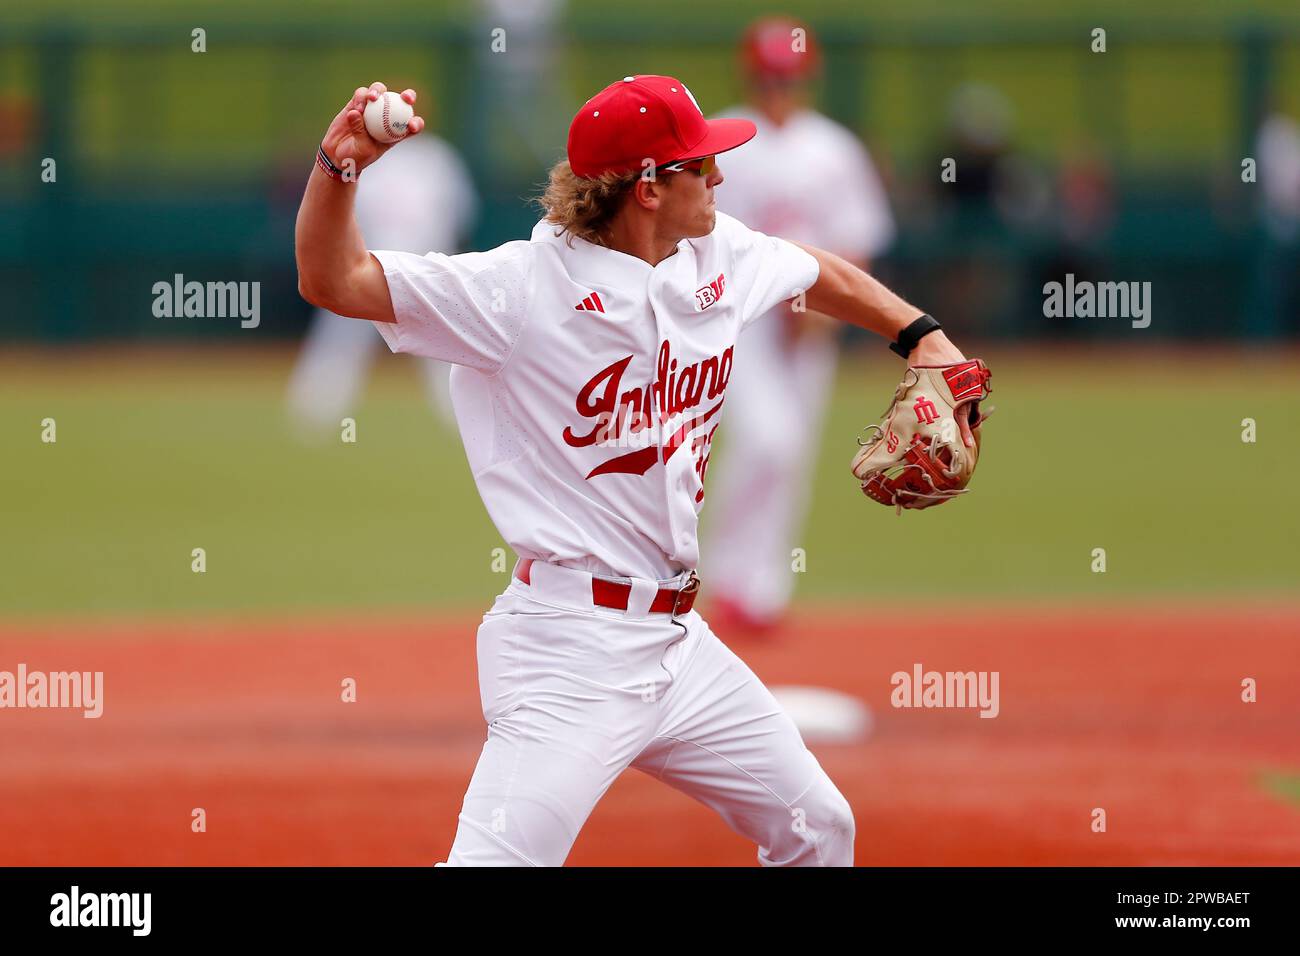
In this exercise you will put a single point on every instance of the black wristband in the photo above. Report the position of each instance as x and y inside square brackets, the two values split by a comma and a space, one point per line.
[908, 338]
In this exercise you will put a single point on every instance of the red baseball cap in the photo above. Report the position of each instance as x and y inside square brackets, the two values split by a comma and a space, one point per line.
[773, 47]
[647, 117]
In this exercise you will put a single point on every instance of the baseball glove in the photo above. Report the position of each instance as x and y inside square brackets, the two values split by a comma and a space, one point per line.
[916, 457]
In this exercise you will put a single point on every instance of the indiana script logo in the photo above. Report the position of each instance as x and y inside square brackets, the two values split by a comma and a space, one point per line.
[637, 415]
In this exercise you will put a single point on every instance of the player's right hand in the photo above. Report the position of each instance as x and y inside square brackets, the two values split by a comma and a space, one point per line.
[347, 140]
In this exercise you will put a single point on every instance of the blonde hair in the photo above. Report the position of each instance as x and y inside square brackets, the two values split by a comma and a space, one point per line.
[584, 207]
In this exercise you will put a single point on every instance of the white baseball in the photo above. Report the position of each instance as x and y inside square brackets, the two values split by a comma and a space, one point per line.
[387, 117]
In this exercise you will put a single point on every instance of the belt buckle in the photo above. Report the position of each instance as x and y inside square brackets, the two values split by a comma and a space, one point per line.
[689, 588]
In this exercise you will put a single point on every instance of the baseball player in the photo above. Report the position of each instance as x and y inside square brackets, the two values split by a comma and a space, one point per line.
[421, 198]
[803, 177]
[592, 362]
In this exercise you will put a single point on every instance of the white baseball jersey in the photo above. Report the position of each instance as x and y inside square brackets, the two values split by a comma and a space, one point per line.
[591, 383]
[809, 180]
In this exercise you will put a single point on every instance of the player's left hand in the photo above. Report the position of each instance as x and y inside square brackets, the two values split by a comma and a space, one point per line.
[936, 349]
[916, 458]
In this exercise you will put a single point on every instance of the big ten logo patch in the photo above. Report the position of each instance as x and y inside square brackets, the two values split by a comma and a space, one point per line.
[711, 293]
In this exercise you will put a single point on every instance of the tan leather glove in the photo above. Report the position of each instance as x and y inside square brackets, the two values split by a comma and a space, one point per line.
[916, 457]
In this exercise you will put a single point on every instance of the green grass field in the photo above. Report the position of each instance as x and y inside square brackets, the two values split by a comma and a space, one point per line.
[163, 452]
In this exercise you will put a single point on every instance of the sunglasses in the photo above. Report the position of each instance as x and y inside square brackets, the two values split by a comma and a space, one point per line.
[703, 167]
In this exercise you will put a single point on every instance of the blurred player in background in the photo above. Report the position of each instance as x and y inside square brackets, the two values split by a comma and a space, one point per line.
[995, 202]
[420, 199]
[807, 178]
[1276, 292]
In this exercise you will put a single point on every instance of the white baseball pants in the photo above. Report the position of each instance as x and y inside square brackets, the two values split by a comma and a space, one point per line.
[574, 694]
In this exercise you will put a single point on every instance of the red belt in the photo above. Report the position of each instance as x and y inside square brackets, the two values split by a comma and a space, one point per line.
[615, 594]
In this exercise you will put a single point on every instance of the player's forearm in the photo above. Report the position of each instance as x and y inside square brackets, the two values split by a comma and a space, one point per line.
[327, 241]
[335, 271]
[851, 295]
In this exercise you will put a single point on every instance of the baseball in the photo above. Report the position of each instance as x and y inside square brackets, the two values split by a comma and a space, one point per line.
[387, 117]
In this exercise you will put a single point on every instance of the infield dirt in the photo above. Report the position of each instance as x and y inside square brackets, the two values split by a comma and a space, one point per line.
[1136, 711]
